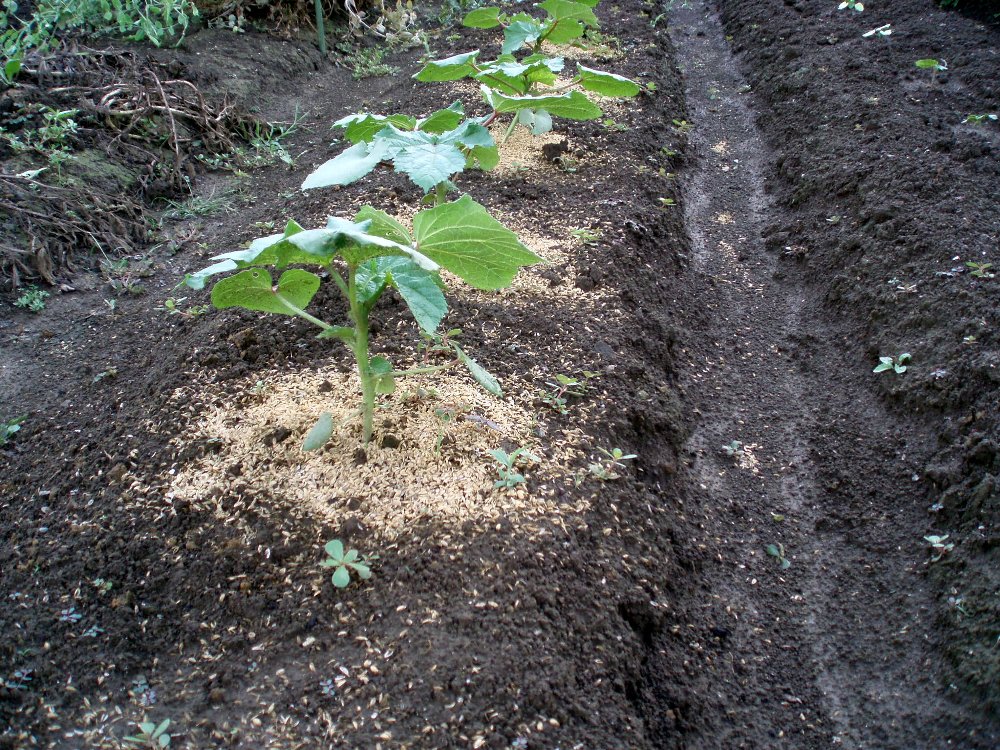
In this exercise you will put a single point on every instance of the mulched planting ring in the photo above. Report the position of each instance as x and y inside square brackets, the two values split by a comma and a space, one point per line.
[791, 550]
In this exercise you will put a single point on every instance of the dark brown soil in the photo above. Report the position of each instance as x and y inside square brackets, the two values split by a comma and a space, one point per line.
[655, 617]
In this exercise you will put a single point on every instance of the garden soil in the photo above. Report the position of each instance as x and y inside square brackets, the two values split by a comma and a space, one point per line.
[788, 203]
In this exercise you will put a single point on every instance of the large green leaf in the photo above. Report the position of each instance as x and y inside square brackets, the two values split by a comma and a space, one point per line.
[538, 121]
[383, 225]
[607, 84]
[418, 288]
[573, 105]
[482, 18]
[565, 31]
[523, 30]
[351, 164]
[430, 163]
[443, 120]
[463, 238]
[560, 10]
[503, 82]
[448, 69]
[253, 290]
[486, 157]
[469, 134]
[363, 126]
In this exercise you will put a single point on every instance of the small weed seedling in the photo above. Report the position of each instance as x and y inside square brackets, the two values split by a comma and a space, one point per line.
[939, 547]
[896, 364]
[777, 551]
[343, 562]
[605, 469]
[934, 66]
[586, 236]
[978, 119]
[370, 63]
[509, 475]
[733, 448]
[980, 270]
[32, 300]
[172, 306]
[152, 736]
[8, 428]
[852, 4]
[18, 680]
[566, 386]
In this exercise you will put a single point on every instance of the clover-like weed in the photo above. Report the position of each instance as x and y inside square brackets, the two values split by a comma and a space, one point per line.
[151, 735]
[508, 462]
[606, 468]
[343, 562]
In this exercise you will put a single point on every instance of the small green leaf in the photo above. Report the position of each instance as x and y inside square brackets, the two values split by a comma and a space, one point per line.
[381, 367]
[785, 563]
[320, 432]
[335, 549]
[253, 290]
[351, 556]
[482, 18]
[524, 30]
[341, 578]
[573, 105]
[443, 120]
[363, 571]
[773, 551]
[463, 238]
[607, 84]
[448, 69]
[479, 373]
[927, 63]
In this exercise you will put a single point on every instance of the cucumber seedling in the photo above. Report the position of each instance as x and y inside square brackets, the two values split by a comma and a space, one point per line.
[363, 258]
[934, 66]
[429, 150]
[896, 364]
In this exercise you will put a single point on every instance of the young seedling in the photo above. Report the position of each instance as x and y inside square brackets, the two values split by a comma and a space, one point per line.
[363, 258]
[586, 236]
[778, 551]
[934, 66]
[852, 4]
[883, 30]
[896, 364]
[152, 736]
[430, 150]
[733, 448]
[605, 468]
[978, 119]
[980, 270]
[172, 306]
[32, 300]
[939, 547]
[343, 562]
[8, 428]
[564, 387]
[507, 469]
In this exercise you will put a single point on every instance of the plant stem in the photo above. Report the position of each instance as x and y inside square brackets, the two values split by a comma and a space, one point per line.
[510, 129]
[420, 370]
[320, 28]
[359, 316]
[440, 193]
